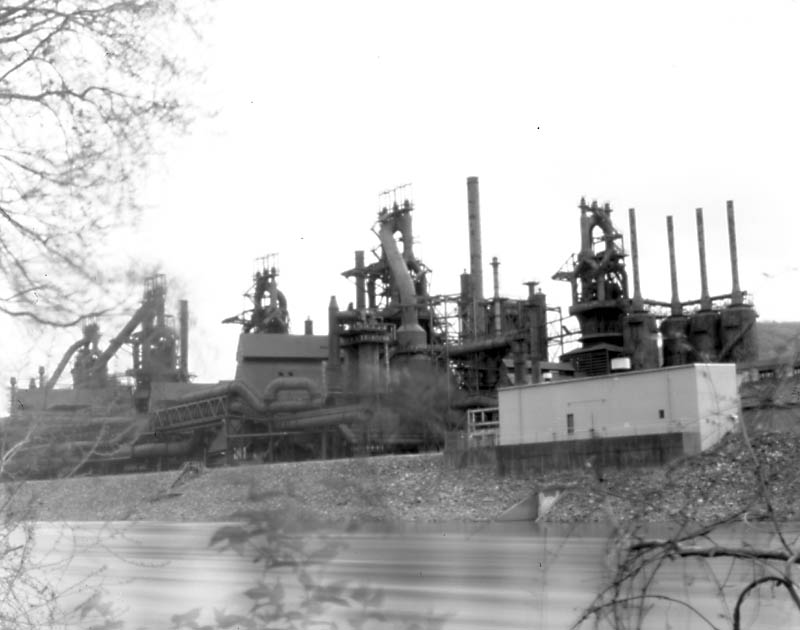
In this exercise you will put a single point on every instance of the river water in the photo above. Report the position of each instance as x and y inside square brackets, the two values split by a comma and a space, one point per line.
[508, 576]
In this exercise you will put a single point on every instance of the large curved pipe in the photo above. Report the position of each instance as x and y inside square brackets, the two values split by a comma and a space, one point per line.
[400, 275]
[63, 363]
[281, 299]
[291, 383]
[410, 334]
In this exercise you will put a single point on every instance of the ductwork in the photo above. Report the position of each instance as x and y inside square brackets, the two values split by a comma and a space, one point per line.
[410, 334]
[483, 345]
[291, 383]
[260, 404]
[323, 417]
[63, 363]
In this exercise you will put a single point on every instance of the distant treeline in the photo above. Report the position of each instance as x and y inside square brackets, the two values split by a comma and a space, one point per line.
[778, 339]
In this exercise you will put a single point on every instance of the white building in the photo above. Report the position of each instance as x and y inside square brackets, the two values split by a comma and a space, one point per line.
[700, 401]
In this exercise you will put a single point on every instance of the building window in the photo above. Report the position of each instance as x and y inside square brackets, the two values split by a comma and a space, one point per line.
[570, 424]
[660, 414]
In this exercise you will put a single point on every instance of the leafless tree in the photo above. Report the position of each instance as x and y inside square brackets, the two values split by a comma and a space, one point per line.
[87, 90]
[32, 593]
[740, 552]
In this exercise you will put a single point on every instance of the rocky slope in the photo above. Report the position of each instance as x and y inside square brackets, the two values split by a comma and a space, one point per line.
[425, 488]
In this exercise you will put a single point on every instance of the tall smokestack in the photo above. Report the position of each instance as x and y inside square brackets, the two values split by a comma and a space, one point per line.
[475, 256]
[496, 307]
[638, 303]
[736, 292]
[496, 277]
[705, 300]
[673, 271]
[183, 323]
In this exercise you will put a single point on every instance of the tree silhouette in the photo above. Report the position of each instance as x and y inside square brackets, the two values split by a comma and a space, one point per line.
[87, 89]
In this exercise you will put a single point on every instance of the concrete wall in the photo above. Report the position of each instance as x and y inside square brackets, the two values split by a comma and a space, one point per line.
[647, 402]
[615, 452]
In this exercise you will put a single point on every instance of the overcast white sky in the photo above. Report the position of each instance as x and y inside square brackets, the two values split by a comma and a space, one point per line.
[663, 107]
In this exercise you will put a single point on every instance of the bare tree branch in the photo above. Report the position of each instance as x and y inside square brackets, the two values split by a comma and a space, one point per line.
[87, 92]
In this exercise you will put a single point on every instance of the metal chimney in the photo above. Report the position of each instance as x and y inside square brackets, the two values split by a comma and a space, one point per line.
[705, 299]
[475, 256]
[673, 271]
[638, 302]
[496, 277]
[736, 291]
[496, 307]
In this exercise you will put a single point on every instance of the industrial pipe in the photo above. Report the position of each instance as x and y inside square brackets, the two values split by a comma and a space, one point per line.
[475, 254]
[291, 383]
[484, 345]
[705, 300]
[736, 292]
[638, 303]
[323, 417]
[496, 277]
[290, 406]
[63, 363]
[496, 306]
[267, 404]
[157, 449]
[235, 388]
[675, 305]
[410, 333]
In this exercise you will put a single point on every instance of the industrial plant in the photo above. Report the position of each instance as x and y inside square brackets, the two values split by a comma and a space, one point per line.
[400, 369]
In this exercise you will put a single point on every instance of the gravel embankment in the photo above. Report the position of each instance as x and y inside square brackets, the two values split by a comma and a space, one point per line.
[389, 488]
[423, 488]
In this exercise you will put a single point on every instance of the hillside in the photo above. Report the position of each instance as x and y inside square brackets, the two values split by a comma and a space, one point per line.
[423, 488]
[778, 339]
